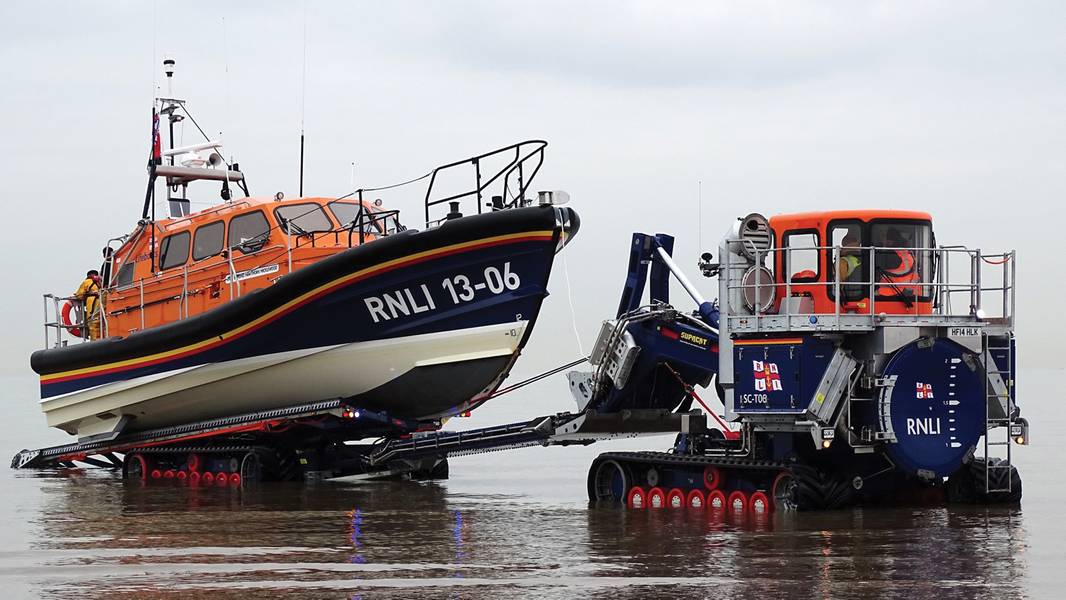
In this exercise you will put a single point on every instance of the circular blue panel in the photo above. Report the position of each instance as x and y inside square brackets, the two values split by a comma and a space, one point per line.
[936, 408]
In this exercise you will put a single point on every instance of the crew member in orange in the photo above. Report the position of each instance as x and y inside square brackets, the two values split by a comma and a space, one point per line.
[898, 268]
[89, 294]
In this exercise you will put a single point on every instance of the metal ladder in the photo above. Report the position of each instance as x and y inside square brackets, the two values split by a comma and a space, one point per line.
[1002, 397]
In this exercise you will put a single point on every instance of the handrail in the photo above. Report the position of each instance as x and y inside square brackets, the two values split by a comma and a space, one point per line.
[936, 287]
[480, 186]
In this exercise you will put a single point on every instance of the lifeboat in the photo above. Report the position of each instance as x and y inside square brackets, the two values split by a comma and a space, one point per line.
[261, 303]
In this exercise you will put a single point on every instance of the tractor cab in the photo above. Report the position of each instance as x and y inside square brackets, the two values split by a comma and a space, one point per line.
[854, 261]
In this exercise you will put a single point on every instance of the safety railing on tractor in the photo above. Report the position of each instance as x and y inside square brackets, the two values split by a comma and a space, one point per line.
[949, 302]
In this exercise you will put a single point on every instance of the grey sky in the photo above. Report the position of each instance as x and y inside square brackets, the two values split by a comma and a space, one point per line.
[955, 108]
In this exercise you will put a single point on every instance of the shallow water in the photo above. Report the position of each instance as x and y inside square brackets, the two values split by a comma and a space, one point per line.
[513, 523]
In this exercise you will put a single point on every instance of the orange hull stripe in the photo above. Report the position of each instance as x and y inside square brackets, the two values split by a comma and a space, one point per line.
[293, 305]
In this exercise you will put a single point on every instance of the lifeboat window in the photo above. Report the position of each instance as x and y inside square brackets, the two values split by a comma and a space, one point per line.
[208, 240]
[174, 250]
[304, 218]
[344, 212]
[125, 275]
[249, 232]
[801, 255]
[384, 222]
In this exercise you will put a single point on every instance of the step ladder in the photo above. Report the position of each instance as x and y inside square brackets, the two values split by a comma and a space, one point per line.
[999, 384]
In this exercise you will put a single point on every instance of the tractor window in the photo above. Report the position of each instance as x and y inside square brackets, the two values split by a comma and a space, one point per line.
[249, 232]
[847, 261]
[174, 250]
[801, 255]
[208, 240]
[905, 257]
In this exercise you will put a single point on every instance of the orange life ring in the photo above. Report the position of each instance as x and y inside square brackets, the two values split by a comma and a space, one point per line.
[67, 321]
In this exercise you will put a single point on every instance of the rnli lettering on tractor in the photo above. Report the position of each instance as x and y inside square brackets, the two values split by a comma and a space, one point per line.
[923, 425]
[458, 289]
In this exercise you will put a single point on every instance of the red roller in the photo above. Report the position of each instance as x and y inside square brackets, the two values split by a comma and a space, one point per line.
[222, 478]
[182, 475]
[696, 500]
[737, 503]
[235, 479]
[716, 500]
[712, 477]
[208, 477]
[168, 474]
[637, 498]
[194, 478]
[157, 474]
[760, 504]
[656, 498]
[675, 498]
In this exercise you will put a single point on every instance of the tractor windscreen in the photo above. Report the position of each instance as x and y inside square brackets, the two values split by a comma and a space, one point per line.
[904, 261]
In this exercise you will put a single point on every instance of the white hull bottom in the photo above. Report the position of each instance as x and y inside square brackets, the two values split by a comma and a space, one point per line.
[270, 381]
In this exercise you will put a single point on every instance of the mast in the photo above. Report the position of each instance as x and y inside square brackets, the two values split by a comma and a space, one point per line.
[196, 162]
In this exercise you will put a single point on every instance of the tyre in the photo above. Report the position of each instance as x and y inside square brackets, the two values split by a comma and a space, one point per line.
[815, 490]
[636, 498]
[737, 504]
[675, 498]
[696, 500]
[967, 485]
[656, 498]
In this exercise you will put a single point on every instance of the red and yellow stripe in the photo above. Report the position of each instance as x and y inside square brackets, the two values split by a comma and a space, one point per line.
[310, 296]
[768, 342]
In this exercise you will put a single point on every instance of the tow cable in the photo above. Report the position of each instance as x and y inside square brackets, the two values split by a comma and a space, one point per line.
[536, 378]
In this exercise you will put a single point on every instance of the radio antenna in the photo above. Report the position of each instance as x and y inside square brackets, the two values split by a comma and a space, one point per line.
[303, 103]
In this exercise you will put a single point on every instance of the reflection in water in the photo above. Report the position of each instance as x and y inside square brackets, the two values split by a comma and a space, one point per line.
[94, 534]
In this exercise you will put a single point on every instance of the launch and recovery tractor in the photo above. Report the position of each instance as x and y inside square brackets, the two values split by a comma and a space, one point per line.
[855, 360]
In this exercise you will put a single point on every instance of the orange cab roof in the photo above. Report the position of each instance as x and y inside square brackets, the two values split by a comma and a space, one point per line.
[856, 214]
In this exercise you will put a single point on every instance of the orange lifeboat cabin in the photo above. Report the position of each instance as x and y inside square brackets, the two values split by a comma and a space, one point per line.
[870, 261]
[184, 266]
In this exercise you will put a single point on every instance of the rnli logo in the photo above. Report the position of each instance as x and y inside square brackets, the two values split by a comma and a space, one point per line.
[925, 391]
[767, 376]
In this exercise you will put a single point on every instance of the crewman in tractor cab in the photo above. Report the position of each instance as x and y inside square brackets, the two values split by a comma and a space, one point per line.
[896, 267]
[849, 269]
[89, 294]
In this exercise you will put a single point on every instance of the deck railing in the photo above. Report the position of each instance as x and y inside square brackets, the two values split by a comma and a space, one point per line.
[955, 295]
